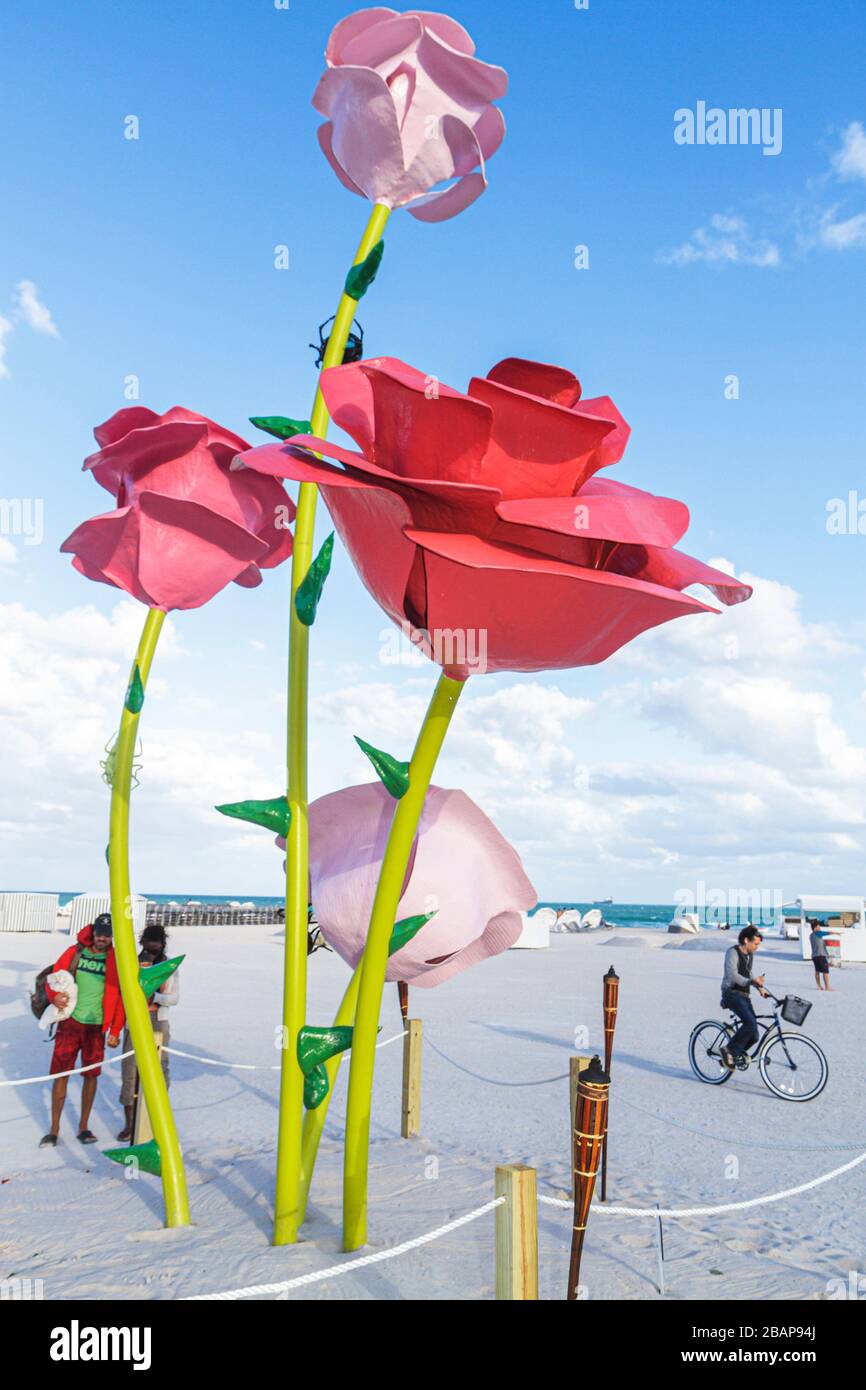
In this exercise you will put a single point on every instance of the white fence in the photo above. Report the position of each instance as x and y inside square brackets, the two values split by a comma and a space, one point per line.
[28, 911]
[89, 906]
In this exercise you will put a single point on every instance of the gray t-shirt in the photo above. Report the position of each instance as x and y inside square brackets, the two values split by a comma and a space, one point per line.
[818, 944]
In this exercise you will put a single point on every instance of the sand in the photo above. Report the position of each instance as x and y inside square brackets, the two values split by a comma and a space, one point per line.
[498, 1043]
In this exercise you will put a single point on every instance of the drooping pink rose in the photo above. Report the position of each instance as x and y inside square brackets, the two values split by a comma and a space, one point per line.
[185, 524]
[460, 865]
[409, 106]
[480, 522]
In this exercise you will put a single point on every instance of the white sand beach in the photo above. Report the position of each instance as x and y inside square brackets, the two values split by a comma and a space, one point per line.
[496, 1037]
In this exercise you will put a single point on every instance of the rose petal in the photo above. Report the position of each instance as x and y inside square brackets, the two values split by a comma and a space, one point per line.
[142, 449]
[676, 570]
[490, 130]
[537, 379]
[325, 135]
[454, 151]
[353, 25]
[122, 421]
[377, 44]
[538, 448]
[633, 516]
[423, 429]
[466, 80]
[371, 523]
[446, 29]
[438, 207]
[189, 553]
[366, 139]
[504, 609]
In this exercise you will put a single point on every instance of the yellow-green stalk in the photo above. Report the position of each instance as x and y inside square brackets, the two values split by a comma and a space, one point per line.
[375, 958]
[287, 1203]
[125, 949]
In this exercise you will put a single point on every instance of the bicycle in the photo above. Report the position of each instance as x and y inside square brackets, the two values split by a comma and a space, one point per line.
[791, 1065]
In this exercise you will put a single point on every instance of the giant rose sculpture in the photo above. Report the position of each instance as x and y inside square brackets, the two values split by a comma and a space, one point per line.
[409, 106]
[485, 512]
[185, 525]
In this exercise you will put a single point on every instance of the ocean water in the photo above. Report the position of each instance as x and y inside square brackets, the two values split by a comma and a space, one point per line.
[646, 916]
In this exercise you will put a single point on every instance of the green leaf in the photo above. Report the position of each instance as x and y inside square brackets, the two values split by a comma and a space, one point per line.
[134, 700]
[141, 1156]
[281, 427]
[361, 277]
[316, 1087]
[404, 931]
[310, 589]
[273, 815]
[153, 977]
[393, 774]
[318, 1045]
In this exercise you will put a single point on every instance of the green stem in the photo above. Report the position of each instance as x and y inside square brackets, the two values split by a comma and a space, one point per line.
[314, 1120]
[287, 1204]
[126, 952]
[375, 958]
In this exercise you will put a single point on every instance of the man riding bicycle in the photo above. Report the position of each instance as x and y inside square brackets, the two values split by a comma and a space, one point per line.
[737, 982]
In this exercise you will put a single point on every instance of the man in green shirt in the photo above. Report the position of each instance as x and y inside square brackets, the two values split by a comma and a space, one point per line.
[98, 1010]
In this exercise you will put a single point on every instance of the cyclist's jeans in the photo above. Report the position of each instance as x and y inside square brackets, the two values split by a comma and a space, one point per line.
[747, 1034]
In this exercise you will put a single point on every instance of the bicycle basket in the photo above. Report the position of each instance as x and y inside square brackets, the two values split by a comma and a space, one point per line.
[794, 1010]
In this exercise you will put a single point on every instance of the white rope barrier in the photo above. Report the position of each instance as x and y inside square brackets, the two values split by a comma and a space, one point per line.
[254, 1290]
[76, 1071]
[174, 1051]
[248, 1066]
[655, 1212]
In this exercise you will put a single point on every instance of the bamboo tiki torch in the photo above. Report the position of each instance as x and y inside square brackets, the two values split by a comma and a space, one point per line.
[403, 991]
[610, 1004]
[590, 1123]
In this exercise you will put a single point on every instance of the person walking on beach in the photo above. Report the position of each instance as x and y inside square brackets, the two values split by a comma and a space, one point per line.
[736, 984]
[820, 958]
[98, 1011]
[153, 942]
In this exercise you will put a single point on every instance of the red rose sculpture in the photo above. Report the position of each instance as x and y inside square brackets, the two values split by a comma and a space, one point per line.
[479, 523]
[185, 524]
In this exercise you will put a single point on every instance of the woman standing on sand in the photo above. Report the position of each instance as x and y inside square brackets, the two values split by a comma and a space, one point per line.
[153, 942]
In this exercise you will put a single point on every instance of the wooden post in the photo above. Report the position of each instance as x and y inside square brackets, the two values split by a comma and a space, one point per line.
[410, 1124]
[516, 1233]
[576, 1065]
[142, 1130]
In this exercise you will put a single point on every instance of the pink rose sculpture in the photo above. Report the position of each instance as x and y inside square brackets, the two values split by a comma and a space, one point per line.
[409, 106]
[483, 515]
[185, 524]
[460, 864]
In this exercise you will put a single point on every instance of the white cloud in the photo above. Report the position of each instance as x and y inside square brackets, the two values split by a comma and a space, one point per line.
[842, 236]
[8, 553]
[30, 310]
[769, 629]
[726, 240]
[849, 161]
[767, 718]
[33, 312]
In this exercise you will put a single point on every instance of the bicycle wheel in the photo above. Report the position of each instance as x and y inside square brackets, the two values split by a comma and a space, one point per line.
[793, 1067]
[705, 1052]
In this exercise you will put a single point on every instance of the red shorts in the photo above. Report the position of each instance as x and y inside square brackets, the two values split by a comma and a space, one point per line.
[73, 1037]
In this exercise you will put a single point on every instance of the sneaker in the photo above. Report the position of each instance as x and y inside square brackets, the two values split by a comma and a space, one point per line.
[728, 1058]
[125, 1135]
[48, 1141]
[86, 1136]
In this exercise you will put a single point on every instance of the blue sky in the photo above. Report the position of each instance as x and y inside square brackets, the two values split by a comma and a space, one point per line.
[682, 760]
